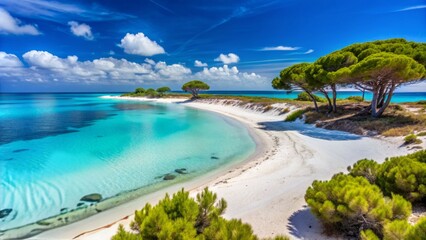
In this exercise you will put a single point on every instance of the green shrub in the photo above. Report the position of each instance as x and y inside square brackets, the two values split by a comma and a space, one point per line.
[365, 168]
[419, 156]
[368, 235]
[294, 115]
[405, 176]
[418, 230]
[412, 139]
[151, 93]
[182, 217]
[351, 204]
[396, 230]
[139, 90]
[303, 96]
[355, 98]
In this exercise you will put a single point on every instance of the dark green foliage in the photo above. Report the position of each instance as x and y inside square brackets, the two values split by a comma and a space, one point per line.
[294, 77]
[182, 217]
[355, 98]
[194, 87]
[162, 90]
[351, 204]
[294, 115]
[405, 176]
[151, 93]
[418, 156]
[139, 90]
[378, 67]
[303, 96]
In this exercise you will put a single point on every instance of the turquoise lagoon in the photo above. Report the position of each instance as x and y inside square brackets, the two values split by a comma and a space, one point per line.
[56, 148]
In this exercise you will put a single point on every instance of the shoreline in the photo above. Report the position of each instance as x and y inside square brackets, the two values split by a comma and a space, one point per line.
[271, 183]
[112, 216]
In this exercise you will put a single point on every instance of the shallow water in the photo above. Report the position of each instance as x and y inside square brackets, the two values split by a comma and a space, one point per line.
[56, 148]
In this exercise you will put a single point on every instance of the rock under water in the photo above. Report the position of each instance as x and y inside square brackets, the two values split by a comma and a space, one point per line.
[94, 197]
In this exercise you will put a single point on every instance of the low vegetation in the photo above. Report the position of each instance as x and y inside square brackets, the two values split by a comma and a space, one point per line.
[182, 217]
[293, 116]
[373, 201]
[412, 139]
[397, 120]
[303, 96]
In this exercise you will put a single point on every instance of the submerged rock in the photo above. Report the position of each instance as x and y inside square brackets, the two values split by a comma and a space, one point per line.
[20, 150]
[94, 197]
[214, 157]
[5, 212]
[169, 177]
[64, 209]
[43, 223]
[80, 204]
[181, 171]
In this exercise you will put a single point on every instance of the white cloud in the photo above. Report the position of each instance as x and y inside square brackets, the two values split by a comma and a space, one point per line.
[9, 60]
[309, 51]
[412, 8]
[279, 48]
[10, 25]
[226, 73]
[81, 30]
[45, 67]
[139, 44]
[149, 61]
[198, 63]
[111, 52]
[45, 59]
[70, 69]
[228, 59]
[175, 71]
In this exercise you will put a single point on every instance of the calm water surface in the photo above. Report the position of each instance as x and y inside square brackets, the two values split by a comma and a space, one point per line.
[56, 148]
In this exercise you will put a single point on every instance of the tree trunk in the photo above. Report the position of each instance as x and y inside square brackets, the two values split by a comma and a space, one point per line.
[330, 106]
[333, 88]
[386, 103]
[374, 103]
[363, 94]
[313, 100]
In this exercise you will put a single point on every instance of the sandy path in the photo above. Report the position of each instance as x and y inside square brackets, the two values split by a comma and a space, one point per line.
[268, 191]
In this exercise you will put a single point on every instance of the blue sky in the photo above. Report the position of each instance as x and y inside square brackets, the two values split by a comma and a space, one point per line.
[117, 45]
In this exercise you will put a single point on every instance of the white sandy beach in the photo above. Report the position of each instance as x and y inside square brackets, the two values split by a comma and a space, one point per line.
[266, 191]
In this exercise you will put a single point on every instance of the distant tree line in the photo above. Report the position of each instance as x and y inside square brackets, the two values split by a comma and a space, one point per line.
[378, 67]
[150, 92]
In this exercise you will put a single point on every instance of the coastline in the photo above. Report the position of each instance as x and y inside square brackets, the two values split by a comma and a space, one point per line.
[270, 184]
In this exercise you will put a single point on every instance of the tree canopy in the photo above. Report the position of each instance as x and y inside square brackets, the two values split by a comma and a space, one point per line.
[379, 67]
[194, 87]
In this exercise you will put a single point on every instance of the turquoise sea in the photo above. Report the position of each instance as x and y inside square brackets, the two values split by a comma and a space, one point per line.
[57, 148]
